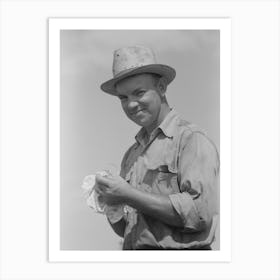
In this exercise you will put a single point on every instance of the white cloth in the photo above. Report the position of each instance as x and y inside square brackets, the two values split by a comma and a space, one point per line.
[94, 200]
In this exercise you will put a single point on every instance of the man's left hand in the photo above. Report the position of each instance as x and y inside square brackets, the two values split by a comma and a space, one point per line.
[113, 189]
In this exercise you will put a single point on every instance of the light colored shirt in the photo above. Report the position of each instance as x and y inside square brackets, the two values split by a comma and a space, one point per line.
[179, 161]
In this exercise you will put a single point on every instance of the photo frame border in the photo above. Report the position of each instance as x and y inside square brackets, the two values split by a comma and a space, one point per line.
[22, 260]
[58, 24]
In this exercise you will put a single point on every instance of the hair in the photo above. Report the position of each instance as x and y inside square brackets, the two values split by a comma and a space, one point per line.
[156, 78]
[160, 79]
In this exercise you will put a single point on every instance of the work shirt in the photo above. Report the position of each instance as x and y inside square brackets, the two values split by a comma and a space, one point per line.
[177, 160]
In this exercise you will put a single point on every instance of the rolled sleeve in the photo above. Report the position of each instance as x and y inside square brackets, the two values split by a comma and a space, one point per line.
[197, 202]
[185, 207]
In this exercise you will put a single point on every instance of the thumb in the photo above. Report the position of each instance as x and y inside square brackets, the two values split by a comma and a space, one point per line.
[102, 180]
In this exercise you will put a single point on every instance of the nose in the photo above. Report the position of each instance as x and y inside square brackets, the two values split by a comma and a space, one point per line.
[132, 103]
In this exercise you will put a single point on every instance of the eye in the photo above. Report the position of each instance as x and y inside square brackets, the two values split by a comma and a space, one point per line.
[140, 92]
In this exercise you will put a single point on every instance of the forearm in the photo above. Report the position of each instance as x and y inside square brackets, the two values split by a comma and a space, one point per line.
[154, 205]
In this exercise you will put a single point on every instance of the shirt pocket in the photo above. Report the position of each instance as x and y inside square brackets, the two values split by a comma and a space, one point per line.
[161, 179]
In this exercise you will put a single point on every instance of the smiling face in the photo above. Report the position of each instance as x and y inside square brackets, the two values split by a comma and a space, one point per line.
[143, 100]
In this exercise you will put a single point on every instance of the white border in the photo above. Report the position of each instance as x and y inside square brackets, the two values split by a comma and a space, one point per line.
[57, 255]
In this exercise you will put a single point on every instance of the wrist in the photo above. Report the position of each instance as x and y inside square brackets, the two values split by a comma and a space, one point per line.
[128, 195]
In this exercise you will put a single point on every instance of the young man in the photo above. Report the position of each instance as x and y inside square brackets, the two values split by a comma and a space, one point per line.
[170, 176]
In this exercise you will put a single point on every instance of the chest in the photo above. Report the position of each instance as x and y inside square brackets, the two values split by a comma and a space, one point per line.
[153, 168]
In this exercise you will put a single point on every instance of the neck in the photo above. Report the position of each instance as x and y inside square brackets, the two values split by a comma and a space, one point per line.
[165, 109]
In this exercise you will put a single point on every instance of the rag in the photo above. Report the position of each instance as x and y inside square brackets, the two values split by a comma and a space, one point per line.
[113, 212]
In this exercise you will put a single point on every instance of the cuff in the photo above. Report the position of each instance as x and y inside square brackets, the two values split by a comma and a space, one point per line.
[186, 209]
[114, 213]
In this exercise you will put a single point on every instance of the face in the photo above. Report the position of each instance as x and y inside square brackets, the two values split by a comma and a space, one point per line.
[140, 99]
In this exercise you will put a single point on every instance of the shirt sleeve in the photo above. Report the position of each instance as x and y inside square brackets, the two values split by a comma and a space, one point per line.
[198, 176]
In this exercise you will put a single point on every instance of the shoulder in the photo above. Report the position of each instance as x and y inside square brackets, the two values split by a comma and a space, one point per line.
[187, 130]
[192, 137]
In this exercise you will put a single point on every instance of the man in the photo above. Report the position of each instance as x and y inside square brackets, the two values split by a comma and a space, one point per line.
[169, 177]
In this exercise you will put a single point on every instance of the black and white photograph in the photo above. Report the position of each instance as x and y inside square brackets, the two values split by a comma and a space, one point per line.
[165, 195]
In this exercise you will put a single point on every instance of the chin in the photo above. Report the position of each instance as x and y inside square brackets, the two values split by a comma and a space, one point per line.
[145, 121]
[146, 125]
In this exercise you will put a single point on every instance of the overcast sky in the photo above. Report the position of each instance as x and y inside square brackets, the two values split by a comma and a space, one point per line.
[95, 131]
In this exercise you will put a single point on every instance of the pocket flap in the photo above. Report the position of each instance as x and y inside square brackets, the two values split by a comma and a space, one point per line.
[163, 168]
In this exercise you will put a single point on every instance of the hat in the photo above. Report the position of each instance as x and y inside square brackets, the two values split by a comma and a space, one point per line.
[134, 60]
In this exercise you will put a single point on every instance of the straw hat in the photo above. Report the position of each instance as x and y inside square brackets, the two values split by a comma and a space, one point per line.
[134, 60]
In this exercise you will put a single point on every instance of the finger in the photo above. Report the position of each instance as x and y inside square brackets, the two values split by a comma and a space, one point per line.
[100, 188]
[102, 180]
[97, 189]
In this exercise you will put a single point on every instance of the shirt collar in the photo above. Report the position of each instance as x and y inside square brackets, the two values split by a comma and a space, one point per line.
[167, 127]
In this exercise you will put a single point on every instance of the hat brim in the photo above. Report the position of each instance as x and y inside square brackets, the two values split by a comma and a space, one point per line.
[163, 70]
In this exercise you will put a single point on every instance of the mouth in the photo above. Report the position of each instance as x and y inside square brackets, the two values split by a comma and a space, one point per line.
[135, 113]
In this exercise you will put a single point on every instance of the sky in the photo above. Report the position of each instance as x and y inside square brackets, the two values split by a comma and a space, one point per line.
[95, 132]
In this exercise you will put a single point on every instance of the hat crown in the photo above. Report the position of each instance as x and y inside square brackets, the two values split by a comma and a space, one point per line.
[132, 57]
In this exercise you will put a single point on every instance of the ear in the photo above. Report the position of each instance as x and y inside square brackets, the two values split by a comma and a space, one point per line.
[162, 86]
